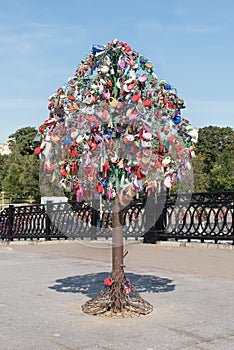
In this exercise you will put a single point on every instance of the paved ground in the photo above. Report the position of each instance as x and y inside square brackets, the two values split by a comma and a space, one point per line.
[44, 285]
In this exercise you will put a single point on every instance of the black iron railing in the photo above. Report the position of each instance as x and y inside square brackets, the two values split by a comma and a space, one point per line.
[193, 216]
[197, 216]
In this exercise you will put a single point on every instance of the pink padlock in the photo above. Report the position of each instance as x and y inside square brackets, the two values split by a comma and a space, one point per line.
[106, 94]
[142, 78]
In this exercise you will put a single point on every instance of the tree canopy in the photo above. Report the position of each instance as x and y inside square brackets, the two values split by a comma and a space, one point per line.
[214, 162]
[21, 140]
[213, 166]
[114, 129]
[19, 171]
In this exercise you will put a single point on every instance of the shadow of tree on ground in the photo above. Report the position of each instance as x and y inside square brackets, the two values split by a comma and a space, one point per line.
[91, 284]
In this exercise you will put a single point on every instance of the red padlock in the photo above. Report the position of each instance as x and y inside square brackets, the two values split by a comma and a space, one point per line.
[128, 289]
[108, 281]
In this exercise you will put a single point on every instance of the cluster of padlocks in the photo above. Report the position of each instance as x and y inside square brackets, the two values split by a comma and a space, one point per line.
[114, 128]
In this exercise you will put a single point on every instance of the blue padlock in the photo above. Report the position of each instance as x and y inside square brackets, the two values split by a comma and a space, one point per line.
[98, 48]
[168, 86]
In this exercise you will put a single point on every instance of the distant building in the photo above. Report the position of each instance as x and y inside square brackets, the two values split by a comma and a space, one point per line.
[5, 149]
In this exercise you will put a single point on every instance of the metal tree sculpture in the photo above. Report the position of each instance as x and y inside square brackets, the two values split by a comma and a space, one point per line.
[115, 130]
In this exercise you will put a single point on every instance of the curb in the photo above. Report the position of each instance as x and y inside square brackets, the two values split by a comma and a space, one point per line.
[227, 246]
[171, 244]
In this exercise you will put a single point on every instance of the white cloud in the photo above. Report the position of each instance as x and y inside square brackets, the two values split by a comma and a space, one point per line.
[153, 26]
[21, 103]
[23, 38]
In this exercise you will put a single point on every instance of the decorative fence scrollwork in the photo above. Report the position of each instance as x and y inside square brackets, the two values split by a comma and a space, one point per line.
[200, 216]
[196, 216]
[23, 222]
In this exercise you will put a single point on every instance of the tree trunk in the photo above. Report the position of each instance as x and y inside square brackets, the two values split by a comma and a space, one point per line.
[117, 241]
[117, 260]
[118, 296]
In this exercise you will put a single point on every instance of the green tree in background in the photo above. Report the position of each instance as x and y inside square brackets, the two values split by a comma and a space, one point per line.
[19, 174]
[21, 140]
[214, 162]
[2, 170]
[200, 178]
[213, 166]
[222, 173]
[11, 183]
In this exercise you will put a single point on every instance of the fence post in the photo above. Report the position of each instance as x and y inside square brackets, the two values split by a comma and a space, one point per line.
[10, 220]
[156, 214]
[232, 209]
[94, 220]
[161, 224]
[151, 235]
[48, 221]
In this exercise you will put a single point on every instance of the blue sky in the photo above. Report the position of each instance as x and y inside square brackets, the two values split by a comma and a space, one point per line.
[190, 44]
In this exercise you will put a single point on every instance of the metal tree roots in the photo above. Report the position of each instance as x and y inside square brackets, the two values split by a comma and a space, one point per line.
[120, 299]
